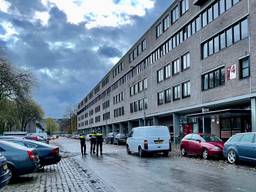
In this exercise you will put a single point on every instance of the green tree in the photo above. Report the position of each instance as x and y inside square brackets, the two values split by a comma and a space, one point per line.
[28, 111]
[51, 126]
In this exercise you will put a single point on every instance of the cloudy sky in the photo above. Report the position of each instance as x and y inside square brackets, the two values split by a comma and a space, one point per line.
[69, 45]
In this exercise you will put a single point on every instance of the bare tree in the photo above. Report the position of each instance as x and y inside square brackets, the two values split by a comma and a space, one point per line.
[14, 84]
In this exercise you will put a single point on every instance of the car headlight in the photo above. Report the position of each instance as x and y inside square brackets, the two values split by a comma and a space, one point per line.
[216, 148]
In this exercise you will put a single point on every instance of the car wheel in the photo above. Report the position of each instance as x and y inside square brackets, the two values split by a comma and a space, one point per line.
[232, 157]
[183, 151]
[128, 150]
[141, 153]
[205, 154]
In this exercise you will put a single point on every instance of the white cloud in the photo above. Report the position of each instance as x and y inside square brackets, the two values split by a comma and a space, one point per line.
[42, 16]
[9, 31]
[102, 13]
[4, 6]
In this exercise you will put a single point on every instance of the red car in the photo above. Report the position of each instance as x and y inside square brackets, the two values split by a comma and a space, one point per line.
[204, 145]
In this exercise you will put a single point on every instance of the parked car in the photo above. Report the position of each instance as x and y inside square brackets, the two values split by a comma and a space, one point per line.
[149, 139]
[120, 138]
[20, 160]
[5, 173]
[205, 145]
[110, 137]
[241, 147]
[48, 154]
[36, 138]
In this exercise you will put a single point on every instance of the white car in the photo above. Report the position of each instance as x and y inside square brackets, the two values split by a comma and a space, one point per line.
[149, 139]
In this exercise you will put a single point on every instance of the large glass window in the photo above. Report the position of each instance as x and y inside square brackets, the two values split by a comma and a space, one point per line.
[160, 98]
[184, 6]
[186, 89]
[237, 33]
[176, 92]
[229, 37]
[159, 30]
[176, 66]
[216, 44]
[210, 14]
[160, 75]
[222, 6]
[167, 71]
[175, 14]
[166, 22]
[185, 59]
[215, 10]
[213, 79]
[244, 28]
[168, 96]
[204, 18]
[244, 65]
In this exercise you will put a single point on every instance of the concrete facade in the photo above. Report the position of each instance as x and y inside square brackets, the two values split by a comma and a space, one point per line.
[234, 93]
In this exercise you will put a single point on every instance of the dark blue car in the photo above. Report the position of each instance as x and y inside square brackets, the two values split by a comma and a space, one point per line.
[241, 147]
[5, 173]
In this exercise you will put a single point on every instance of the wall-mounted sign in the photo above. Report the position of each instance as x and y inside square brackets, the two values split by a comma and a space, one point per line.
[231, 72]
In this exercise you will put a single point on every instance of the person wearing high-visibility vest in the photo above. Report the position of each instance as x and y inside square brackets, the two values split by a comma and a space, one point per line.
[93, 142]
[83, 144]
[99, 141]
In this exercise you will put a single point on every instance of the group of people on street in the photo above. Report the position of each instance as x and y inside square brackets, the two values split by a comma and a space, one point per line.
[96, 140]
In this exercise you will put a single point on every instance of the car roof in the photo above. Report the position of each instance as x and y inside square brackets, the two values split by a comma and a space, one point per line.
[13, 145]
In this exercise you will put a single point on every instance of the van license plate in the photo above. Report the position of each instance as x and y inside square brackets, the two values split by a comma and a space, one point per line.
[159, 142]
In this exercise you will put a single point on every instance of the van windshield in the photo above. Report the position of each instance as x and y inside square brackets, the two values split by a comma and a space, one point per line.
[157, 132]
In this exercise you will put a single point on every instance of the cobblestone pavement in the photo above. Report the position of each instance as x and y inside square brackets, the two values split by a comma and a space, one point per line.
[66, 176]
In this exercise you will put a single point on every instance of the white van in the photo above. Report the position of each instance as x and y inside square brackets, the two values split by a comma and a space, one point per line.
[149, 139]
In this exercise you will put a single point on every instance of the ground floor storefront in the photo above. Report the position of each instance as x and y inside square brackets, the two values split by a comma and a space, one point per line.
[223, 120]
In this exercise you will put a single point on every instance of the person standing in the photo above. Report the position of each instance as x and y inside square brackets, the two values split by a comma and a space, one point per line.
[93, 142]
[99, 141]
[83, 144]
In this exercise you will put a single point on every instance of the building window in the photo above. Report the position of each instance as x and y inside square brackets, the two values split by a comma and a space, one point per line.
[144, 46]
[244, 67]
[160, 75]
[176, 66]
[185, 61]
[186, 89]
[175, 14]
[213, 79]
[166, 22]
[226, 38]
[176, 92]
[167, 95]
[145, 84]
[160, 98]
[167, 71]
[159, 30]
[184, 6]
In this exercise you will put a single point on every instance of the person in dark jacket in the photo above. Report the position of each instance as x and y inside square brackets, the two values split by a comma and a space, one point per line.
[99, 141]
[93, 142]
[83, 144]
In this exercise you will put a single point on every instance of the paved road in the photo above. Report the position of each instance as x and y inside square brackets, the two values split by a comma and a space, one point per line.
[129, 173]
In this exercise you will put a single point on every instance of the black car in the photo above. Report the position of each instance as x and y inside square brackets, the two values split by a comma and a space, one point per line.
[5, 173]
[110, 137]
[120, 138]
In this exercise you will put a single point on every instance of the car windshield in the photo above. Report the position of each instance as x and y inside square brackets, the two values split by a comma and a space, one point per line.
[211, 138]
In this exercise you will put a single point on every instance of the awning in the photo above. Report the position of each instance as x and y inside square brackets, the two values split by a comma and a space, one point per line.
[222, 112]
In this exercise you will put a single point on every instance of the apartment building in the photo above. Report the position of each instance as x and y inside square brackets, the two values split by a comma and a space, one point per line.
[194, 70]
